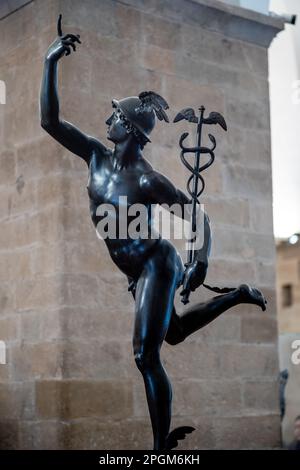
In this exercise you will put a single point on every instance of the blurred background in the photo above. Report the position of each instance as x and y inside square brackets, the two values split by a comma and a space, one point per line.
[66, 317]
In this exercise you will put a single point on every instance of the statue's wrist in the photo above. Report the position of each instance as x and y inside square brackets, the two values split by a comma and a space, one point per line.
[49, 60]
[201, 264]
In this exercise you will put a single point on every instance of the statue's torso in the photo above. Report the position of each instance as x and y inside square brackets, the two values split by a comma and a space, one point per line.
[120, 189]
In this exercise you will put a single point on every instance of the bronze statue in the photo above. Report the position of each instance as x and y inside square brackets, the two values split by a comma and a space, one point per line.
[153, 266]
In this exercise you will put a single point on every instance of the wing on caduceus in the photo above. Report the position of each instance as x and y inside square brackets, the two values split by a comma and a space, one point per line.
[216, 118]
[188, 114]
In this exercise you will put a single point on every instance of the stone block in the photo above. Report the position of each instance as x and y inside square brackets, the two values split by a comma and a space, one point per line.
[41, 157]
[248, 114]
[19, 232]
[196, 398]
[38, 293]
[191, 359]
[128, 22]
[96, 323]
[78, 15]
[37, 435]
[226, 328]
[261, 218]
[231, 273]
[251, 183]
[7, 297]
[47, 258]
[248, 360]
[15, 265]
[206, 397]
[9, 434]
[92, 434]
[156, 58]
[76, 286]
[96, 360]
[159, 32]
[261, 395]
[202, 44]
[41, 325]
[248, 432]
[257, 58]
[9, 328]
[17, 400]
[265, 274]
[60, 189]
[84, 399]
[259, 328]
[242, 245]
[229, 212]
[36, 360]
[8, 167]
[21, 197]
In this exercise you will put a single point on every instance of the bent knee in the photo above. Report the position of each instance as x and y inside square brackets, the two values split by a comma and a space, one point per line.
[174, 338]
[146, 359]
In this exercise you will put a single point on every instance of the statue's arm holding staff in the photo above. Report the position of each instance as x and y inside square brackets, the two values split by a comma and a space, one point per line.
[162, 191]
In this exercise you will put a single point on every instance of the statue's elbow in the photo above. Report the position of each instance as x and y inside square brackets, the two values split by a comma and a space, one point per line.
[47, 124]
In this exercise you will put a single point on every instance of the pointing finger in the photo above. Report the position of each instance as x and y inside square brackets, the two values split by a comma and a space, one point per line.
[59, 30]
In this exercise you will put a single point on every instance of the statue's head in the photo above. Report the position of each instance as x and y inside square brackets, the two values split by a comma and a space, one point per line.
[136, 115]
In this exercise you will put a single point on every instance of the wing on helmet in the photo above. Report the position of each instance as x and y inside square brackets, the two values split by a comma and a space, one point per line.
[151, 100]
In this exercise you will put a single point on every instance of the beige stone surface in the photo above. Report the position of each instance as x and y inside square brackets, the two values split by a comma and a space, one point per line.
[66, 316]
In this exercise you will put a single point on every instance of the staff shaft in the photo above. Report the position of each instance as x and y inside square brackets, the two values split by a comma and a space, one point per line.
[195, 186]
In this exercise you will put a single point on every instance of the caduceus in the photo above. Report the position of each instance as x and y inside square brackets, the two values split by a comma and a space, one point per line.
[195, 178]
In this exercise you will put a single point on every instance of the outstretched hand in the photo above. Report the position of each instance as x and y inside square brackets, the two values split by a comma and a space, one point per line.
[63, 44]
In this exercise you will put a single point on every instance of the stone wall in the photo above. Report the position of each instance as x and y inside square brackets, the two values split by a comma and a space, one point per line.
[66, 316]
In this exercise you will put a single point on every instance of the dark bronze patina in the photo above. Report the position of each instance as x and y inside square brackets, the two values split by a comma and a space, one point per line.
[153, 266]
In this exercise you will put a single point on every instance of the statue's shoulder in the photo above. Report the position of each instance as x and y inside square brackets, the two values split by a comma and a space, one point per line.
[143, 166]
[99, 148]
[146, 172]
[99, 153]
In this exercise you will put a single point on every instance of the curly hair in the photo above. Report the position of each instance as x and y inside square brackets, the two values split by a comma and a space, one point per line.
[142, 140]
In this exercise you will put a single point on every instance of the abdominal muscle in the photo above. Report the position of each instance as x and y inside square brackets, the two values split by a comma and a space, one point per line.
[131, 255]
[128, 254]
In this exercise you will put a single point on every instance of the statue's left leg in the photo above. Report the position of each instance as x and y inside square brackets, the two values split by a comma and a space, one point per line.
[154, 298]
[199, 315]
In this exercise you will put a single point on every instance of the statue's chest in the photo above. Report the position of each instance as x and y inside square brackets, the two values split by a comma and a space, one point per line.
[106, 186]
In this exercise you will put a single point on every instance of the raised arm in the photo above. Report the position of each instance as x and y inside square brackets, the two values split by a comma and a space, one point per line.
[64, 132]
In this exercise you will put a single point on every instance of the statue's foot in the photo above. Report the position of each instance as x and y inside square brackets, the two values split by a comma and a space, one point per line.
[250, 295]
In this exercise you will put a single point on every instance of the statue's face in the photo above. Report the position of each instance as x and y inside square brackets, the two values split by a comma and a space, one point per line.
[116, 131]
